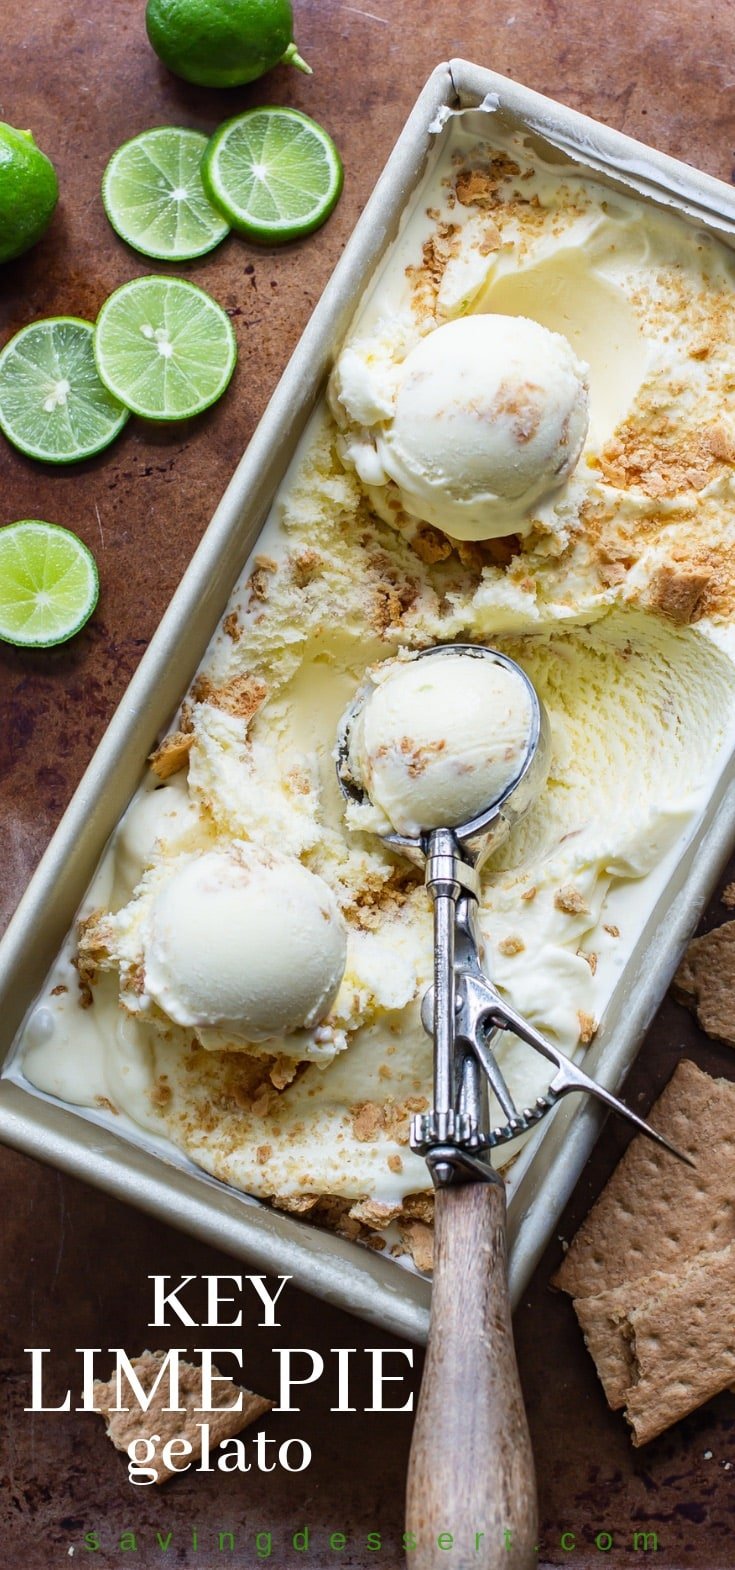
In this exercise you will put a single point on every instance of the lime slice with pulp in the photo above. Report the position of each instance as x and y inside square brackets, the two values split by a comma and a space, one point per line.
[52, 402]
[48, 584]
[274, 174]
[164, 348]
[154, 198]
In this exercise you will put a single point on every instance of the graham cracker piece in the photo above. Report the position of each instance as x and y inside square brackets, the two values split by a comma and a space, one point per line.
[171, 755]
[571, 901]
[374, 1213]
[419, 1240]
[606, 1327]
[655, 1211]
[683, 1345]
[124, 1427]
[420, 1207]
[664, 1344]
[705, 981]
[721, 442]
[242, 695]
[295, 1204]
[676, 591]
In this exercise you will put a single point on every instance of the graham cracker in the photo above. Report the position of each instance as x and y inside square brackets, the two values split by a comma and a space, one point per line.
[418, 1238]
[171, 754]
[656, 1211]
[676, 591]
[705, 981]
[606, 1328]
[607, 1321]
[124, 1427]
[683, 1345]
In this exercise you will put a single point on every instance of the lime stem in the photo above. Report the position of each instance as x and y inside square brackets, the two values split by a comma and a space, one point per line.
[291, 56]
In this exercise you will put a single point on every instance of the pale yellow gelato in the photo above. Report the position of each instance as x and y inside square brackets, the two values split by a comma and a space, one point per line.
[436, 741]
[485, 417]
[245, 941]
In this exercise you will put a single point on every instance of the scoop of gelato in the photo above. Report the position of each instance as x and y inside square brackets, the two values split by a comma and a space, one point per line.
[245, 939]
[484, 418]
[438, 739]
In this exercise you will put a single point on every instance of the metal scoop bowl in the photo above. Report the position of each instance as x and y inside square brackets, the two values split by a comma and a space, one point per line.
[471, 1467]
[476, 839]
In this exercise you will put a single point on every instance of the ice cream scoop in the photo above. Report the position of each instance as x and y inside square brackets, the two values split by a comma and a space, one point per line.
[245, 940]
[470, 1371]
[484, 419]
[436, 739]
[464, 1011]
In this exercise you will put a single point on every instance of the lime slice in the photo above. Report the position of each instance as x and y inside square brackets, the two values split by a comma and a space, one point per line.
[154, 198]
[48, 584]
[52, 402]
[274, 173]
[164, 348]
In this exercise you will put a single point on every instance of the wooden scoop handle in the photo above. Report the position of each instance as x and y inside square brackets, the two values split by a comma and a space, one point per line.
[471, 1466]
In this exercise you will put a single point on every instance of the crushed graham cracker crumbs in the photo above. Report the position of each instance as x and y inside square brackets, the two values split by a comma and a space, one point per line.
[241, 695]
[430, 545]
[658, 460]
[426, 279]
[378, 897]
[232, 626]
[105, 1105]
[305, 565]
[571, 902]
[371, 1119]
[258, 584]
[512, 945]
[480, 187]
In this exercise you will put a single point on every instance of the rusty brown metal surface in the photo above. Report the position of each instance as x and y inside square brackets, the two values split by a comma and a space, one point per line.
[74, 1265]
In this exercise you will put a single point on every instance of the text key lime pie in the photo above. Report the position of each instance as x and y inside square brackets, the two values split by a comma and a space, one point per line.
[529, 444]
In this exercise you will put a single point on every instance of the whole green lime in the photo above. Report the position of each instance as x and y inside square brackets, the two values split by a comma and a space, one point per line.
[222, 43]
[29, 191]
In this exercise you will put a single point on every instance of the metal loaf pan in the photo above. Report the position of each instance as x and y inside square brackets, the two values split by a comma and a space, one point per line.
[543, 1176]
